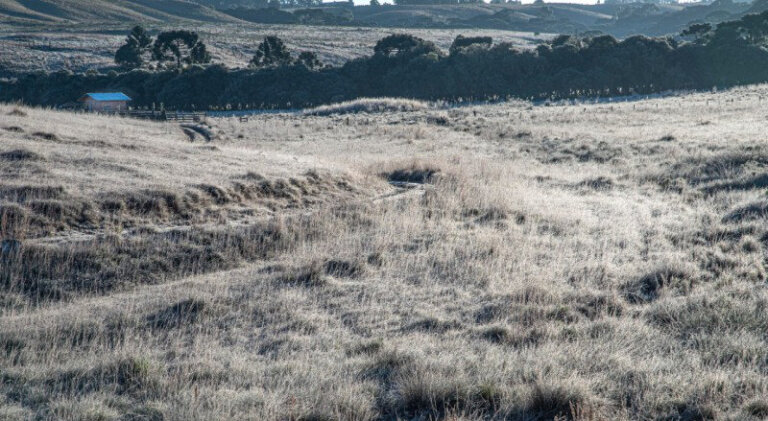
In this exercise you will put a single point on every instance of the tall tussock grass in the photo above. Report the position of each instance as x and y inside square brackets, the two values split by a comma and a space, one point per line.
[369, 106]
[48, 209]
[101, 265]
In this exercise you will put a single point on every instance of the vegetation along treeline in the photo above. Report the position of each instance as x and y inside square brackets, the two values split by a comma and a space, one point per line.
[173, 70]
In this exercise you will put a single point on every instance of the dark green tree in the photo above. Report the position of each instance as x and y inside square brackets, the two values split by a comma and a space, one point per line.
[183, 47]
[697, 30]
[132, 54]
[754, 27]
[462, 42]
[602, 42]
[199, 54]
[140, 37]
[400, 43]
[272, 52]
[309, 60]
[128, 56]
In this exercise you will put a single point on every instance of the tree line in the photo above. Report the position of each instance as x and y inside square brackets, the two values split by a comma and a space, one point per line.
[178, 49]
[403, 65]
[419, 2]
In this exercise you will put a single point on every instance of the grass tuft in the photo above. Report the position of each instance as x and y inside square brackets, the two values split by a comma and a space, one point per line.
[651, 285]
[20, 155]
[548, 401]
[181, 314]
[46, 136]
[415, 173]
[757, 408]
[369, 106]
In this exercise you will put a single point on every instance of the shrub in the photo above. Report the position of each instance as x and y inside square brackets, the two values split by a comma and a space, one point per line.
[369, 105]
[462, 42]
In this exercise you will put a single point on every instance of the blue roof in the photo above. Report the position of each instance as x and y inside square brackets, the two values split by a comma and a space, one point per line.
[109, 96]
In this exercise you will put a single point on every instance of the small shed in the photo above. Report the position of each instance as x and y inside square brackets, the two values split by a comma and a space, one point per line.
[105, 102]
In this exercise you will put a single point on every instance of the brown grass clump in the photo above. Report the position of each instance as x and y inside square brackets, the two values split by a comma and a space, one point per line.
[181, 314]
[308, 276]
[344, 268]
[25, 193]
[598, 183]
[757, 409]
[14, 222]
[651, 285]
[557, 402]
[749, 212]
[129, 376]
[416, 172]
[369, 105]
[46, 136]
[20, 155]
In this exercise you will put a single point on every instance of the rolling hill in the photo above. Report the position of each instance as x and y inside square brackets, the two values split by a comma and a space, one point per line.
[620, 20]
[48, 11]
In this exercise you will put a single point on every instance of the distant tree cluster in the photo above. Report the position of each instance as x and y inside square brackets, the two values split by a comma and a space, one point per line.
[751, 29]
[272, 52]
[463, 42]
[263, 4]
[134, 52]
[644, 1]
[280, 4]
[300, 3]
[177, 47]
[697, 30]
[397, 44]
[419, 2]
[403, 65]
[184, 48]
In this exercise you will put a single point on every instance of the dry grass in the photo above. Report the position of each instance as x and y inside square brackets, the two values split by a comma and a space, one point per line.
[582, 262]
[369, 106]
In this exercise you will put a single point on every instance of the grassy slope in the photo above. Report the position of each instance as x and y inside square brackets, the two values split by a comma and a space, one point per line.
[108, 10]
[564, 18]
[603, 259]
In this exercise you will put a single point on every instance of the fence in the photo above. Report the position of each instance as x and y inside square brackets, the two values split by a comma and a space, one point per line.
[183, 116]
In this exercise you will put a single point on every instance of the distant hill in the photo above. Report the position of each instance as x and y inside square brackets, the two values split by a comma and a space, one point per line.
[660, 22]
[618, 19]
[48, 11]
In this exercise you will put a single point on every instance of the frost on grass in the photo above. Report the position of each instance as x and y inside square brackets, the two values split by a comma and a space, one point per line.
[583, 270]
[370, 106]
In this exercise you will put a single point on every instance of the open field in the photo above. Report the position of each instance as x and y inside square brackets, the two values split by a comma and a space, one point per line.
[82, 47]
[507, 261]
